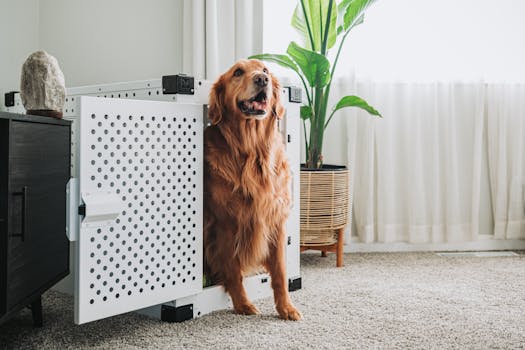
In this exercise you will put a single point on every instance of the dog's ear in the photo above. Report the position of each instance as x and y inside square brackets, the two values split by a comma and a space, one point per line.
[277, 107]
[216, 102]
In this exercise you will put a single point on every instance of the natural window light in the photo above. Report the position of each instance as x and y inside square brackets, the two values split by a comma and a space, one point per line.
[423, 40]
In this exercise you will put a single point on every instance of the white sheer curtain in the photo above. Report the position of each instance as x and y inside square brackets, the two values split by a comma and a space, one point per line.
[218, 33]
[417, 171]
[506, 156]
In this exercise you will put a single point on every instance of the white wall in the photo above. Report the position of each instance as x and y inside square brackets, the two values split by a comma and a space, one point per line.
[18, 38]
[101, 41]
[94, 41]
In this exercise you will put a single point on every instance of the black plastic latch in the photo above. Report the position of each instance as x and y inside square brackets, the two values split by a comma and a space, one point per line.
[294, 284]
[178, 84]
[9, 98]
[178, 314]
[82, 210]
[296, 94]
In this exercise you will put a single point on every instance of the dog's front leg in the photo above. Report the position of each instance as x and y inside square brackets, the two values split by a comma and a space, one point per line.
[276, 266]
[233, 285]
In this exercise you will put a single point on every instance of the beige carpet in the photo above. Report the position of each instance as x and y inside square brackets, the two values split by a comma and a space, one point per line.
[377, 301]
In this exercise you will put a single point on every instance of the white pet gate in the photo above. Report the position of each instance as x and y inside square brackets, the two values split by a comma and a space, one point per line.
[135, 200]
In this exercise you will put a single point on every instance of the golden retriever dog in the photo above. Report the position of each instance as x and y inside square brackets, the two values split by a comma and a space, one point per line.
[246, 185]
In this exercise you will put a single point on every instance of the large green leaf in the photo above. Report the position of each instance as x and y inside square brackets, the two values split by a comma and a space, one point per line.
[355, 101]
[299, 23]
[341, 10]
[306, 112]
[354, 11]
[281, 60]
[315, 67]
[309, 19]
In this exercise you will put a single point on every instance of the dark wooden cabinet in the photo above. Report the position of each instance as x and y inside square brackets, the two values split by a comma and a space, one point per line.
[34, 171]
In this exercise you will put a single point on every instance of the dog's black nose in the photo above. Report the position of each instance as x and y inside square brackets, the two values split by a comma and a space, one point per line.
[261, 80]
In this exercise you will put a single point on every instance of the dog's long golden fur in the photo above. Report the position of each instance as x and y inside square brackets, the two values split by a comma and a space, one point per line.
[246, 184]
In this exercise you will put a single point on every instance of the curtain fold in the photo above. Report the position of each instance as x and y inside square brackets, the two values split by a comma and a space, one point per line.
[194, 38]
[417, 172]
[506, 156]
[218, 33]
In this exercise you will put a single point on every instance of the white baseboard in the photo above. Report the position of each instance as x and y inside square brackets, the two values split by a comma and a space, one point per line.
[482, 245]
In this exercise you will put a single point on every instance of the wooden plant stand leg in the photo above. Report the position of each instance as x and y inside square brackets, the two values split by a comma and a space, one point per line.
[340, 243]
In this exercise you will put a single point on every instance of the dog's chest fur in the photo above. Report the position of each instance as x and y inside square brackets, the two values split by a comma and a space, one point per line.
[250, 189]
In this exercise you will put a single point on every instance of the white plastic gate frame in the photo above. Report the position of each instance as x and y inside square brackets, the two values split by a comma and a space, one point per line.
[140, 181]
[102, 287]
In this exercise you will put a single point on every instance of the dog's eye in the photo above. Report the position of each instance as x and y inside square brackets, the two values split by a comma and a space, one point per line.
[238, 72]
[265, 70]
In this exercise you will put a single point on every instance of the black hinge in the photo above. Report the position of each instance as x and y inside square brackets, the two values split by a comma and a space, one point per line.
[178, 314]
[289, 138]
[178, 84]
[294, 284]
[289, 240]
[295, 94]
[82, 210]
[9, 98]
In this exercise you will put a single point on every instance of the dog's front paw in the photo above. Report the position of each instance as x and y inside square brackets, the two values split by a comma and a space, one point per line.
[289, 312]
[246, 309]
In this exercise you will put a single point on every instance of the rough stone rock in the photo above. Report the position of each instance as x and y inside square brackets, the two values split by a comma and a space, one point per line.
[42, 84]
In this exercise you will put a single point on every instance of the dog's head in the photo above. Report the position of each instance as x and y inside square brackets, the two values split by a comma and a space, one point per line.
[247, 90]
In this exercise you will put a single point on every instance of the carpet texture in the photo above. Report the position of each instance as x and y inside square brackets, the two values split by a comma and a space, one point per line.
[377, 301]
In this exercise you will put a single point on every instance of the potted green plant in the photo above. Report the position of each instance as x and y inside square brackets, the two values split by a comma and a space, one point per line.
[322, 24]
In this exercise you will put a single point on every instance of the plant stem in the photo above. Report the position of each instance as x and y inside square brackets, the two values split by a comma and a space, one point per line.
[321, 104]
[308, 26]
[316, 137]
[333, 71]
[327, 28]
[307, 149]
[305, 89]
[328, 121]
[338, 53]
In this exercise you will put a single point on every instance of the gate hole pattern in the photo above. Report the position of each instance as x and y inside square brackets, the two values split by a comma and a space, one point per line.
[150, 162]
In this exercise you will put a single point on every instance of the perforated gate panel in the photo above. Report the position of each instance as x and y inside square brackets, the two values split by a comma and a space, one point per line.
[141, 162]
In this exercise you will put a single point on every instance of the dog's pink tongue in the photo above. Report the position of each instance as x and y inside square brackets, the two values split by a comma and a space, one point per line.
[258, 105]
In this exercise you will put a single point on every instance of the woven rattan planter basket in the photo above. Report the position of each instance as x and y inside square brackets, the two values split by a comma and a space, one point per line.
[324, 204]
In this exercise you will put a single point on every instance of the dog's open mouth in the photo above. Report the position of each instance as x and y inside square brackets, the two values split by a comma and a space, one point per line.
[255, 105]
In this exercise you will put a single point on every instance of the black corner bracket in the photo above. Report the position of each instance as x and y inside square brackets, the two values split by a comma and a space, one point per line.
[9, 98]
[294, 284]
[178, 84]
[178, 314]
